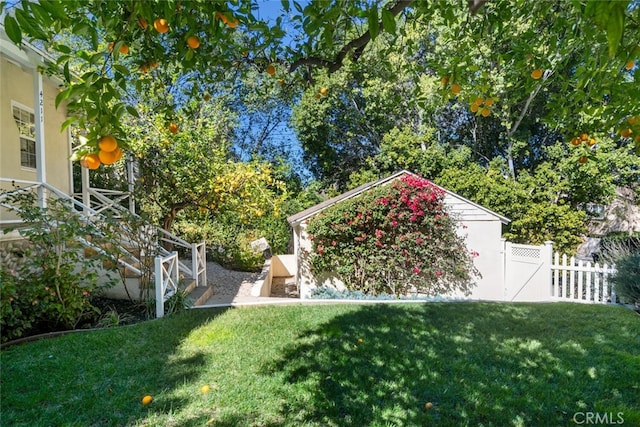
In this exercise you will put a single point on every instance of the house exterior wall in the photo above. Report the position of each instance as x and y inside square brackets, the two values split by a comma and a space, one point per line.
[16, 84]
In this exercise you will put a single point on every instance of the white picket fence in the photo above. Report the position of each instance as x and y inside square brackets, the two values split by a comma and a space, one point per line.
[580, 281]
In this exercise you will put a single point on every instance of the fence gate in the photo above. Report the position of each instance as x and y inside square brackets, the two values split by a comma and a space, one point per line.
[527, 272]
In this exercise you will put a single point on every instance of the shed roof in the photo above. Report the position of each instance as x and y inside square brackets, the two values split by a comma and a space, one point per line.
[313, 210]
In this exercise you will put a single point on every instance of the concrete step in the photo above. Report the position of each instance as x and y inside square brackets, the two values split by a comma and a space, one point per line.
[199, 295]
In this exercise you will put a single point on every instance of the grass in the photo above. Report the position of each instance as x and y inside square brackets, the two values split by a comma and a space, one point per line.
[336, 365]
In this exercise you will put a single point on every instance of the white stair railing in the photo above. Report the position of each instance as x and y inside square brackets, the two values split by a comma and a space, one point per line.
[104, 204]
[90, 215]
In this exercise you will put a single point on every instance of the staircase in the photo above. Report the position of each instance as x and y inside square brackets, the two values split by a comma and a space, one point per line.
[284, 287]
[139, 245]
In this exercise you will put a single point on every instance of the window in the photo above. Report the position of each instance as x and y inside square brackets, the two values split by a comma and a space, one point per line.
[25, 119]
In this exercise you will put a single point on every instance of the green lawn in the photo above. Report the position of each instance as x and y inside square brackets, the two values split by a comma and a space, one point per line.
[336, 365]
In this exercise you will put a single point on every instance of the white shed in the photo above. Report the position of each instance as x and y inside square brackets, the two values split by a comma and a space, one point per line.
[481, 227]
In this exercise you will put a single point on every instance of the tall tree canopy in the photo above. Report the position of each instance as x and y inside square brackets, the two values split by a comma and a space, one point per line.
[506, 50]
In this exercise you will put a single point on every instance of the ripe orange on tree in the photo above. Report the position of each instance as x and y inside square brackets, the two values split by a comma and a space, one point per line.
[625, 133]
[488, 102]
[576, 141]
[108, 143]
[591, 142]
[323, 91]
[536, 74]
[271, 70]
[629, 65]
[584, 137]
[582, 159]
[143, 23]
[173, 128]
[161, 25]
[193, 42]
[455, 88]
[90, 161]
[221, 16]
[474, 108]
[232, 23]
[110, 157]
[444, 80]
[485, 112]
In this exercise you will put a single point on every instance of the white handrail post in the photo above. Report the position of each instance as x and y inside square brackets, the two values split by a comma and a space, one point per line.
[159, 287]
[131, 183]
[194, 263]
[203, 257]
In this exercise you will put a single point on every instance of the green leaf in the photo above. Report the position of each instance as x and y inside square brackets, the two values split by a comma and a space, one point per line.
[388, 21]
[122, 69]
[29, 25]
[41, 14]
[13, 29]
[615, 26]
[132, 111]
[55, 9]
[286, 6]
[373, 22]
[66, 72]
[67, 122]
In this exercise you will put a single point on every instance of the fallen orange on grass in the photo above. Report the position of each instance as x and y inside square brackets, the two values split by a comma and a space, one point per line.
[205, 389]
[147, 399]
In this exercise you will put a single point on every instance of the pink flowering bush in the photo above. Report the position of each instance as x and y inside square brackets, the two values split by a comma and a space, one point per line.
[395, 239]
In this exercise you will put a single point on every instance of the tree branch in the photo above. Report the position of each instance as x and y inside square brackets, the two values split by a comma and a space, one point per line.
[356, 45]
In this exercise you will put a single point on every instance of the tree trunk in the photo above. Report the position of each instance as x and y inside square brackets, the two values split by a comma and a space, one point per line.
[168, 219]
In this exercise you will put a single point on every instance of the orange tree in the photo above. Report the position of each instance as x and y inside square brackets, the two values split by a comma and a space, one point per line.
[587, 48]
[193, 168]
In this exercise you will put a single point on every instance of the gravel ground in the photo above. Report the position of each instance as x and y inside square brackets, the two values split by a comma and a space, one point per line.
[229, 282]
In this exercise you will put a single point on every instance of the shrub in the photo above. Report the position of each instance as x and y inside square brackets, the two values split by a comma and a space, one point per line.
[50, 289]
[395, 239]
[627, 278]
